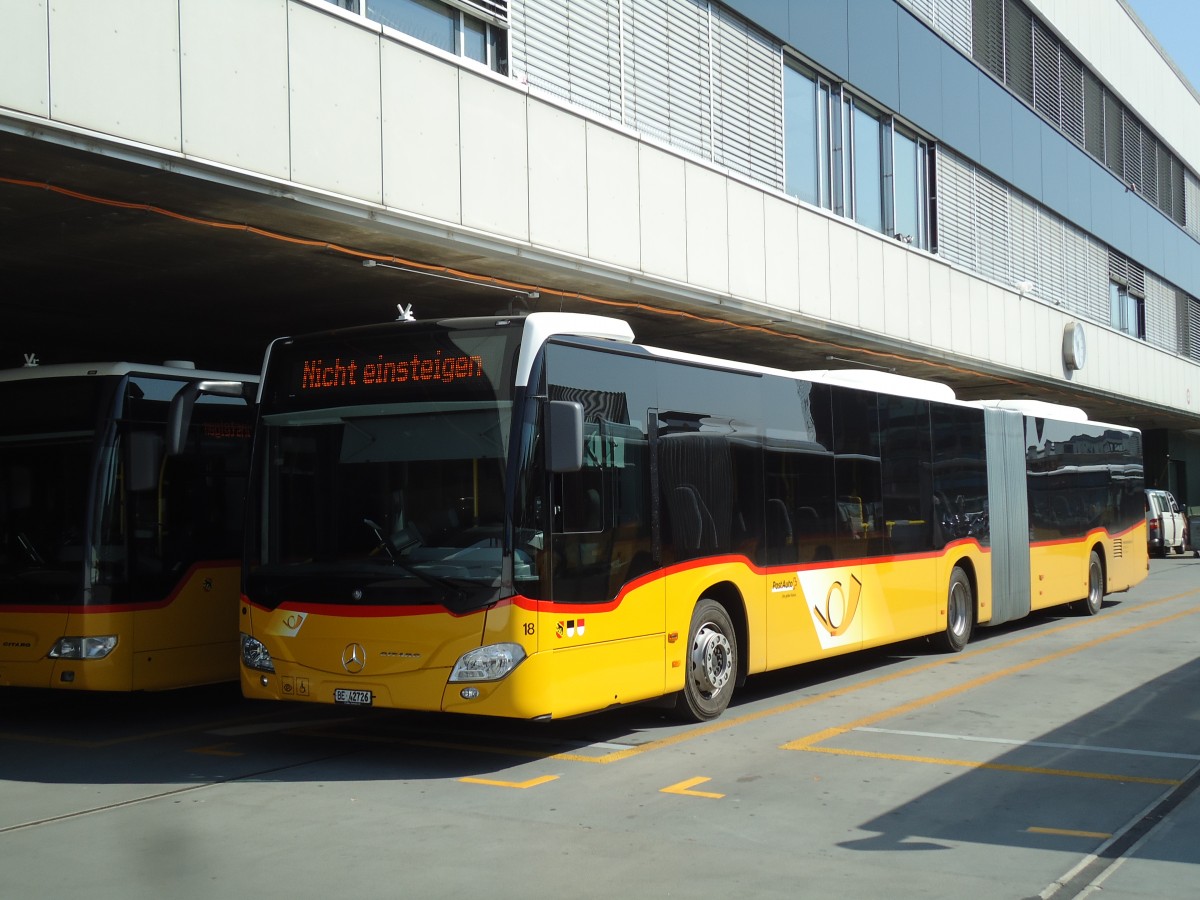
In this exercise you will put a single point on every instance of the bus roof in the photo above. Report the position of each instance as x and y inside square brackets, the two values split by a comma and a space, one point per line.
[78, 370]
[1038, 408]
[881, 382]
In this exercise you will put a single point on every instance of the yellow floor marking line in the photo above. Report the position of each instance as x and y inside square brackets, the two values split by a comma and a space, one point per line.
[216, 750]
[1001, 767]
[684, 788]
[1069, 832]
[520, 785]
[733, 721]
[806, 743]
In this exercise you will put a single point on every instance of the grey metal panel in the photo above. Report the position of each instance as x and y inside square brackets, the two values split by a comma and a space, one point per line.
[1102, 193]
[920, 72]
[1027, 132]
[1056, 150]
[819, 30]
[1121, 210]
[1079, 188]
[1008, 514]
[995, 129]
[1139, 216]
[770, 15]
[960, 102]
[874, 63]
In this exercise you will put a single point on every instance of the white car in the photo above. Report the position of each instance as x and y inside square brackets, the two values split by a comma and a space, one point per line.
[1166, 525]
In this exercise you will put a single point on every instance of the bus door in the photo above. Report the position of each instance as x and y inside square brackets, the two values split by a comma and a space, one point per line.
[603, 609]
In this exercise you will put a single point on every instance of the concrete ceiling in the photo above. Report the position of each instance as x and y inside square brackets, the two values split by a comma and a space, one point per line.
[104, 258]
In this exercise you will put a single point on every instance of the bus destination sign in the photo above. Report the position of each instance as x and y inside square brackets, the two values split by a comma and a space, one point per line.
[325, 375]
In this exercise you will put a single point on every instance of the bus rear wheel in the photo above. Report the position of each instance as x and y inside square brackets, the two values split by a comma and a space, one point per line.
[1095, 594]
[960, 613]
[712, 661]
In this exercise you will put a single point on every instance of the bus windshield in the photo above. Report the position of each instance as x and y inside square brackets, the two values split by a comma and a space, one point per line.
[417, 489]
[394, 492]
[46, 445]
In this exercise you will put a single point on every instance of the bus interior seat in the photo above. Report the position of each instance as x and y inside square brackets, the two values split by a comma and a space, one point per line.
[695, 529]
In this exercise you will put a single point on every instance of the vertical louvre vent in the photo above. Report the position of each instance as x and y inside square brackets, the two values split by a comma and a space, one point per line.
[1018, 49]
[987, 41]
[1047, 97]
[1093, 116]
[1072, 97]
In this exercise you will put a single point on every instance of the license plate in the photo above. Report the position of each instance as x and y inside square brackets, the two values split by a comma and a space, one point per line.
[354, 698]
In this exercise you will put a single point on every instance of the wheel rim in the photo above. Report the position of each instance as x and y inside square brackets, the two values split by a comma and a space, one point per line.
[712, 659]
[1095, 586]
[958, 609]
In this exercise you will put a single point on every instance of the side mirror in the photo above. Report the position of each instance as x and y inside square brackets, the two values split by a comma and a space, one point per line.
[564, 435]
[179, 416]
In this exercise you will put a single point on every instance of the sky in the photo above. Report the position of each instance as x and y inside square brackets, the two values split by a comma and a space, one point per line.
[1175, 24]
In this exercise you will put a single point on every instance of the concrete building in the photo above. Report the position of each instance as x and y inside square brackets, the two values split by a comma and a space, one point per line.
[1000, 194]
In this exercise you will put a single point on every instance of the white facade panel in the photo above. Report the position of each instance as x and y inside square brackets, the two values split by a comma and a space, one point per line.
[747, 242]
[707, 213]
[614, 225]
[1047, 345]
[816, 261]
[871, 297]
[782, 249]
[336, 142]
[24, 60]
[895, 297]
[941, 316]
[234, 83]
[421, 171]
[662, 211]
[493, 124]
[114, 68]
[977, 297]
[558, 179]
[960, 311]
[1027, 321]
[920, 305]
[844, 285]
[998, 338]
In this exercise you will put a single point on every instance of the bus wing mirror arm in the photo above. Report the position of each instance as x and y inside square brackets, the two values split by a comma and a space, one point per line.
[564, 435]
[179, 415]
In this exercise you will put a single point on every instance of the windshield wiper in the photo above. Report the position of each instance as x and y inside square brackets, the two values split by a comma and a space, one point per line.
[452, 594]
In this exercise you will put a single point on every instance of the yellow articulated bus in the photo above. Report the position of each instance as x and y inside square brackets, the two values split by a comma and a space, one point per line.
[535, 517]
[122, 489]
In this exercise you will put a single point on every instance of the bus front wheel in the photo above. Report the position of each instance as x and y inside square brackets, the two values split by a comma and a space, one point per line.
[960, 613]
[711, 664]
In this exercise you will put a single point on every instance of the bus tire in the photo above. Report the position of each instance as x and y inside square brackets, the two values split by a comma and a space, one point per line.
[712, 664]
[1095, 595]
[960, 613]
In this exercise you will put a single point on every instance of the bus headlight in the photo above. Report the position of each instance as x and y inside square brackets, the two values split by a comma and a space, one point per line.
[96, 647]
[490, 663]
[255, 655]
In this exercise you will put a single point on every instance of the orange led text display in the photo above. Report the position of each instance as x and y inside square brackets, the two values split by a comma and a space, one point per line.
[322, 374]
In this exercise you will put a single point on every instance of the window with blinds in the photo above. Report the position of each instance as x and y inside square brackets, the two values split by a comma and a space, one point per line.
[571, 48]
[987, 228]
[687, 72]
[747, 100]
[1010, 42]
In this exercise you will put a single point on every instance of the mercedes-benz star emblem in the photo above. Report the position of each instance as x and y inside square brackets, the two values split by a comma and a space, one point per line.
[354, 658]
